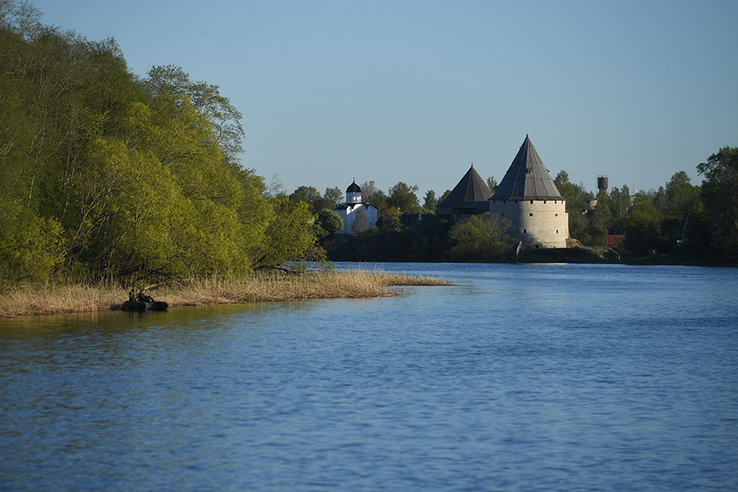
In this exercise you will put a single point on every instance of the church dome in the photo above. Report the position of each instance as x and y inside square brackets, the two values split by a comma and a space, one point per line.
[354, 188]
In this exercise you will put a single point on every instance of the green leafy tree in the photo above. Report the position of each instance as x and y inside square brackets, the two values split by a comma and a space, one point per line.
[443, 197]
[430, 201]
[330, 221]
[681, 196]
[641, 230]
[576, 204]
[575, 195]
[73, 93]
[673, 203]
[598, 220]
[138, 220]
[578, 228]
[256, 211]
[109, 88]
[306, 194]
[16, 136]
[402, 196]
[430, 238]
[172, 82]
[21, 18]
[176, 135]
[321, 203]
[129, 215]
[312, 197]
[373, 195]
[104, 174]
[720, 196]
[391, 220]
[481, 237]
[658, 198]
[492, 183]
[696, 231]
[335, 196]
[290, 240]
[53, 74]
[31, 247]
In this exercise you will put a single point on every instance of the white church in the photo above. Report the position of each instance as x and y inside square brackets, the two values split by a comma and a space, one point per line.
[357, 216]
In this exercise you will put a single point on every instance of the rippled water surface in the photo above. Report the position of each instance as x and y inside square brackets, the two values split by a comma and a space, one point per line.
[518, 377]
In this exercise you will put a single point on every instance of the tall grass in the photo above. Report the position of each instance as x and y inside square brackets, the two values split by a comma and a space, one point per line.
[264, 287]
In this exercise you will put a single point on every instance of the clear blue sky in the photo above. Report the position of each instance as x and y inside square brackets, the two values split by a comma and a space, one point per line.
[415, 91]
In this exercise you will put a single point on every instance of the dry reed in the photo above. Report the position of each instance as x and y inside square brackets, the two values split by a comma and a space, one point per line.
[274, 287]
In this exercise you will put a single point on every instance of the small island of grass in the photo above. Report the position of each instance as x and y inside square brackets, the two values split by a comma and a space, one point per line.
[261, 287]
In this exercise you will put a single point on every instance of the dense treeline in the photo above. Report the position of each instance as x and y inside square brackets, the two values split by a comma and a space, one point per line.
[104, 174]
[430, 238]
[678, 218]
[698, 220]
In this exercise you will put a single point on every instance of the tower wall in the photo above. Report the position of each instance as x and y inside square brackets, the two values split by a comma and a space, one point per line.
[353, 197]
[538, 223]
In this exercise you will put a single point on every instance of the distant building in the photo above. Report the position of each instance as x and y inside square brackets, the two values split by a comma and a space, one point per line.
[355, 211]
[469, 197]
[613, 239]
[528, 197]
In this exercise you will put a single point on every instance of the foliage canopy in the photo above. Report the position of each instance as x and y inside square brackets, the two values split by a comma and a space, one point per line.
[720, 196]
[481, 237]
[104, 174]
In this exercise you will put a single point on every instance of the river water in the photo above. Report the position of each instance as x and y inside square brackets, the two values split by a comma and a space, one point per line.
[516, 378]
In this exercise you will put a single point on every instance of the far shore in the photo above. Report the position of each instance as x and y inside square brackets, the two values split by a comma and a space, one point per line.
[273, 287]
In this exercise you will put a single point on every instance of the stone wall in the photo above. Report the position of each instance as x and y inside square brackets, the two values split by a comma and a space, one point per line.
[538, 223]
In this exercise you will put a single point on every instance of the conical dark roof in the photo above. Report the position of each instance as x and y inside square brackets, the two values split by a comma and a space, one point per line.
[527, 178]
[471, 188]
[353, 188]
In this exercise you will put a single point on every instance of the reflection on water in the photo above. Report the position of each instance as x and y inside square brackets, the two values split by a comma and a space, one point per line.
[518, 377]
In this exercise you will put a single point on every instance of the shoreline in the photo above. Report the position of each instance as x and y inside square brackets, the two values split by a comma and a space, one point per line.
[272, 287]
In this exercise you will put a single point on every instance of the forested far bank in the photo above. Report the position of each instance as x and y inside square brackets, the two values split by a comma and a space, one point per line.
[681, 222]
[108, 175]
[699, 220]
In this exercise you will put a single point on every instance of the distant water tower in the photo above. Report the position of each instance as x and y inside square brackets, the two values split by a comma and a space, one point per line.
[602, 183]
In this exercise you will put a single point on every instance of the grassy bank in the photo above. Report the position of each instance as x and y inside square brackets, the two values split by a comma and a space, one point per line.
[570, 255]
[273, 287]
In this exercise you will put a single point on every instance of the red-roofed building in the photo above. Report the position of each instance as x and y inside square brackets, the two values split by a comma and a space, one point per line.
[612, 239]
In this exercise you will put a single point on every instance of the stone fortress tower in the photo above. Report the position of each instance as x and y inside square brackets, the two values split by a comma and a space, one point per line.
[528, 197]
[469, 197]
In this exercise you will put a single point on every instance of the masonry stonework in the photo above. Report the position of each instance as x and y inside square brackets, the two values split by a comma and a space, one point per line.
[538, 223]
